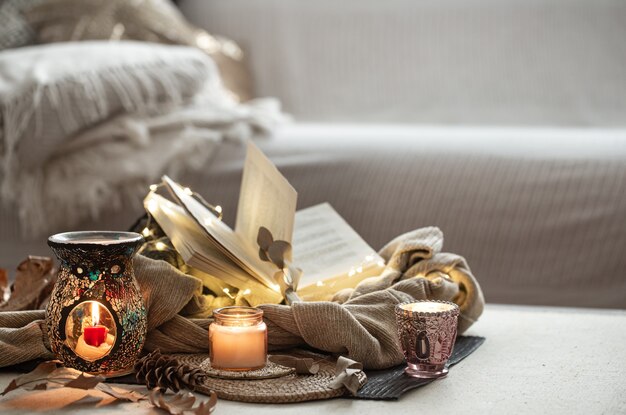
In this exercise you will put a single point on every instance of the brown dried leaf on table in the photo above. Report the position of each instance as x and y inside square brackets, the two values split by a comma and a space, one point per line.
[303, 365]
[41, 372]
[182, 403]
[84, 381]
[33, 284]
[4, 286]
[47, 375]
[120, 393]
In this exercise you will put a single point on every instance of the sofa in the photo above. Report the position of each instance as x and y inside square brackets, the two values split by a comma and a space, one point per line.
[502, 123]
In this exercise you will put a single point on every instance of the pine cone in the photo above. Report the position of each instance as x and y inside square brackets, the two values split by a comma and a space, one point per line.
[165, 372]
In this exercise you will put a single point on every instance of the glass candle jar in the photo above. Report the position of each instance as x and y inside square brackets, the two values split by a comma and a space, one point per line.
[238, 339]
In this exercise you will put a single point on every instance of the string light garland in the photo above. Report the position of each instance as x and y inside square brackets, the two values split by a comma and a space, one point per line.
[157, 242]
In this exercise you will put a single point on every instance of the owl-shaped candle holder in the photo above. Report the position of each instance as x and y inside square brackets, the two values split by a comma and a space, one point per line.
[96, 317]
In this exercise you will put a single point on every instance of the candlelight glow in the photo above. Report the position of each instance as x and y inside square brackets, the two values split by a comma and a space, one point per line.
[95, 313]
[427, 307]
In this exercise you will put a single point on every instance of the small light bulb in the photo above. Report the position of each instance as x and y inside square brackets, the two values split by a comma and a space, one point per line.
[160, 246]
[145, 232]
[359, 269]
[247, 291]
[320, 283]
[218, 209]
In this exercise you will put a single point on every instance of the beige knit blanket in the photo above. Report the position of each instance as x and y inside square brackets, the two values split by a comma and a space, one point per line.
[360, 324]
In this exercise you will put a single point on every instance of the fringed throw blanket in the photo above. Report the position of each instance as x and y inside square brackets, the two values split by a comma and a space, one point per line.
[91, 124]
[362, 328]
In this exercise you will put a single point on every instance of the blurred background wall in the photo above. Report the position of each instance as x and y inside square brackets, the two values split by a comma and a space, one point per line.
[512, 62]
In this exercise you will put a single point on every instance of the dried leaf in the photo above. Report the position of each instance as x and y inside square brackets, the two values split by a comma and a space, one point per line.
[303, 366]
[88, 399]
[278, 252]
[84, 381]
[33, 284]
[40, 386]
[263, 255]
[47, 374]
[346, 372]
[264, 238]
[182, 403]
[121, 393]
[41, 372]
[4, 286]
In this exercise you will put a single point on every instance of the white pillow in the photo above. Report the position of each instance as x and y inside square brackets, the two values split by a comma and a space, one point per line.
[49, 93]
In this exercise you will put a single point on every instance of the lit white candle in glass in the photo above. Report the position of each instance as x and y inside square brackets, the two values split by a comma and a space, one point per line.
[238, 339]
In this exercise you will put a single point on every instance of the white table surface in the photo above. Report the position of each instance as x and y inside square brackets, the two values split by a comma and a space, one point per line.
[535, 360]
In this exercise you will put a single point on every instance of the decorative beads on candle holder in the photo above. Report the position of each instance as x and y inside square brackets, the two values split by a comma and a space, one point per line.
[96, 318]
[238, 339]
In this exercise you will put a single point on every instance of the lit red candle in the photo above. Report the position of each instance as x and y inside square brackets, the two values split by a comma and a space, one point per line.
[96, 334]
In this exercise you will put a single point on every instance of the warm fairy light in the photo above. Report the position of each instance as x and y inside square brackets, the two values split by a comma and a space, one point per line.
[276, 287]
[95, 313]
[246, 291]
[187, 191]
[218, 209]
[320, 283]
[145, 232]
[369, 257]
[160, 246]
[359, 269]
[352, 272]
[153, 187]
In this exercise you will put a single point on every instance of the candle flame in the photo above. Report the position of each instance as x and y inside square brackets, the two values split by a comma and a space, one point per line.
[95, 313]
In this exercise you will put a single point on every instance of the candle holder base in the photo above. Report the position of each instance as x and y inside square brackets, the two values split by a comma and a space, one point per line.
[429, 372]
[269, 371]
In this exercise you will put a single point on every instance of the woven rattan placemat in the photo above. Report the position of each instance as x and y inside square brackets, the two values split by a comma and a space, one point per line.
[271, 370]
[378, 384]
[289, 388]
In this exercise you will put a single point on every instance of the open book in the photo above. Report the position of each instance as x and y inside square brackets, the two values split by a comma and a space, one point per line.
[330, 253]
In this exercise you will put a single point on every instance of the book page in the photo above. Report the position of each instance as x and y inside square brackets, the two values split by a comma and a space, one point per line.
[325, 246]
[266, 199]
[229, 242]
[200, 252]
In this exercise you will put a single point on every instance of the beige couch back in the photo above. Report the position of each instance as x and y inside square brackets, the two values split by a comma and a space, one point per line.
[556, 62]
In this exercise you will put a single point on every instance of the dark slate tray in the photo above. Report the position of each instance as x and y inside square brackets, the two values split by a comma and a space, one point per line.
[390, 384]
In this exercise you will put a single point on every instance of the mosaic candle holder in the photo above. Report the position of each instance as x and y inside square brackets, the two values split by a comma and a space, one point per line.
[96, 317]
[427, 331]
